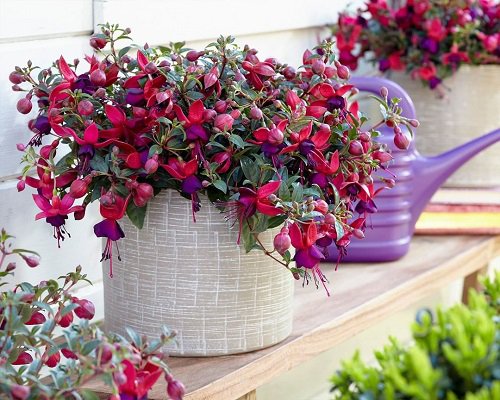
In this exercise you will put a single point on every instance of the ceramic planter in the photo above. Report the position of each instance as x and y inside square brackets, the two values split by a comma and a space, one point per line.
[470, 109]
[194, 278]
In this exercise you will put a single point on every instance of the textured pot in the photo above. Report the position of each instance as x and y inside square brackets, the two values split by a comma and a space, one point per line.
[194, 278]
[470, 109]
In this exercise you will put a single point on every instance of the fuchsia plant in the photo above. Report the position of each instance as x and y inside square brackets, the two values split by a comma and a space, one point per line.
[429, 39]
[267, 144]
[30, 317]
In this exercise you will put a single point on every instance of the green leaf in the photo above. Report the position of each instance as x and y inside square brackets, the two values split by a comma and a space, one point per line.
[298, 192]
[136, 214]
[134, 336]
[237, 141]
[90, 346]
[99, 164]
[88, 394]
[221, 185]
[248, 238]
[250, 169]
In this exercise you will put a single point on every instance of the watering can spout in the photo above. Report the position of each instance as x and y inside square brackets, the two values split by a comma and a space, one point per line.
[432, 172]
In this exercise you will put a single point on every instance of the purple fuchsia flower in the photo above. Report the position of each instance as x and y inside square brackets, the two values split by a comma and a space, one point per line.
[112, 208]
[56, 212]
[305, 143]
[193, 123]
[270, 140]
[45, 183]
[329, 99]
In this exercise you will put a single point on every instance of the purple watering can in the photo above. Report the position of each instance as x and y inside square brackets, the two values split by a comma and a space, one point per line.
[417, 179]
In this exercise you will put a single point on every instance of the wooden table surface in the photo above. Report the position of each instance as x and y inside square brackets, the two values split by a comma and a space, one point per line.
[361, 296]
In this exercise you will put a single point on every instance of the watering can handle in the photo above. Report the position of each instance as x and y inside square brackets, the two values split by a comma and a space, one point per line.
[373, 84]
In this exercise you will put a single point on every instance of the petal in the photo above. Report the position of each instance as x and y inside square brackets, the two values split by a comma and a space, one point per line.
[261, 134]
[191, 167]
[42, 203]
[196, 112]
[91, 134]
[67, 202]
[180, 114]
[66, 71]
[305, 132]
[296, 236]
[304, 259]
[142, 60]
[268, 209]
[343, 90]
[133, 160]
[115, 115]
[311, 234]
[326, 90]
[109, 228]
[264, 69]
[316, 111]
[268, 189]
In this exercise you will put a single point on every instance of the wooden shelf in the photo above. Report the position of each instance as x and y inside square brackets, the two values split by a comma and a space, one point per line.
[362, 295]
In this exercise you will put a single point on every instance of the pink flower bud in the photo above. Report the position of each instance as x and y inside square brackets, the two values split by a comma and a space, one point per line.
[98, 77]
[10, 267]
[282, 241]
[358, 233]
[365, 137]
[220, 106]
[414, 123]
[381, 156]
[384, 92]
[329, 219]
[66, 320]
[78, 188]
[401, 141]
[150, 68]
[175, 389]
[20, 147]
[85, 309]
[151, 165]
[193, 55]
[275, 136]
[23, 358]
[143, 194]
[355, 148]
[20, 392]
[235, 114]
[85, 107]
[318, 66]
[255, 113]
[16, 78]
[31, 261]
[120, 378]
[69, 354]
[223, 122]
[330, 72]
[21, 184]
[36, 318]
[321, 206]
[53, 360]
[97, 43]
[24, 105]
[289, 73]
[342, 71]
[106, 353]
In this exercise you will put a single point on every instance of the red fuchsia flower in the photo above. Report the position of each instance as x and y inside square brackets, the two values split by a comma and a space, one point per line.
[428, 72]
[36, 318]
[56, 212]
[435, 29]
[305, 143]
[271, 140]
[455, 57]
[224, 160]
[85, 309]
[330, 99]
[53, 360]
[250, 201]
[45, 182]
[112, 208]
[490, 42]
[23, 358]
[138, 380]
[324, 170]
[193, 123]
[258, 71]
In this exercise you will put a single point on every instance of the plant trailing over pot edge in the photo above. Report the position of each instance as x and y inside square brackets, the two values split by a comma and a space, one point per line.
[267, 144]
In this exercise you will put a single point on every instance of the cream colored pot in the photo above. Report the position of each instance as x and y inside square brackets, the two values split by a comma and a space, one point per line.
[194, 278]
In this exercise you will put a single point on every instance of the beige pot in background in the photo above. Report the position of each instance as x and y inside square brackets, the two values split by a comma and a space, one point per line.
[470, 109]
[194, 278]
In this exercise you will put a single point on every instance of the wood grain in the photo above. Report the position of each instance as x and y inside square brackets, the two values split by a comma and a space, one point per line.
[363, 295]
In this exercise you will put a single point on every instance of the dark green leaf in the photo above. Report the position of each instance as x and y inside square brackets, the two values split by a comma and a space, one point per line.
[221, 185]
[136, 214]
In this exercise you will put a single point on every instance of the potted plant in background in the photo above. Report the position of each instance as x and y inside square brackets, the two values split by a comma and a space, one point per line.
[450, 47]
[157, 133]
[45, 328]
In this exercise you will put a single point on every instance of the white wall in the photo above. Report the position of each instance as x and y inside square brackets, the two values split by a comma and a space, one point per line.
[54, 27]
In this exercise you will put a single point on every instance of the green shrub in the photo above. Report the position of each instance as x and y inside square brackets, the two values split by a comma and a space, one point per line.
[455, 355]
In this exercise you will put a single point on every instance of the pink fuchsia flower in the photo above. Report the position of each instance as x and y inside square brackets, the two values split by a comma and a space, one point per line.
[454, 57]
[435, 29]
[305, 143]
[490, 42]
[323, 169]
[258, 71]
[329, 99]
[138, 381]
[56, 212]
[270, 139]
[112, 208]
[193, 122]
[45, 182]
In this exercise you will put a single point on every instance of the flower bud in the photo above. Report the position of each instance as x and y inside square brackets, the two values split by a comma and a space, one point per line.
[85, 309]
[355, 148]
[414, 123]
[329, 219]
[220, 106]
[235, 114]
[384, 92]
[98, 77]
[358, 233]
[223, 122]
[318, 66]
[106, 353]
[119, 378]
[175, 389]
[193, 55]
[255, 113]
[53, 360]
[97, 43]
[36, 318]
[16, 78]
[150, 68]
[23, 358]
[24, 105]
[85, 107]
[282, 241]
[289, 73]
[365, 137]
[20, 147]
[275, 136]
[21, 184]
[10, 267]
[31, 261]
[66, 320]
[78, 188]
[381, 156]
[321, 206]
[401, 141]
[151, 165]
[20, 392]
[143, 194]
[69, 354]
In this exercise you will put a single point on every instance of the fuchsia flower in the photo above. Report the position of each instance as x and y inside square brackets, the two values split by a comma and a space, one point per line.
[270, 140]
[193, 123]
[258, 71]
[56, 212]
[455, 57]
[304, 143]
[330, 99]
[138, 380]
[45, 182]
